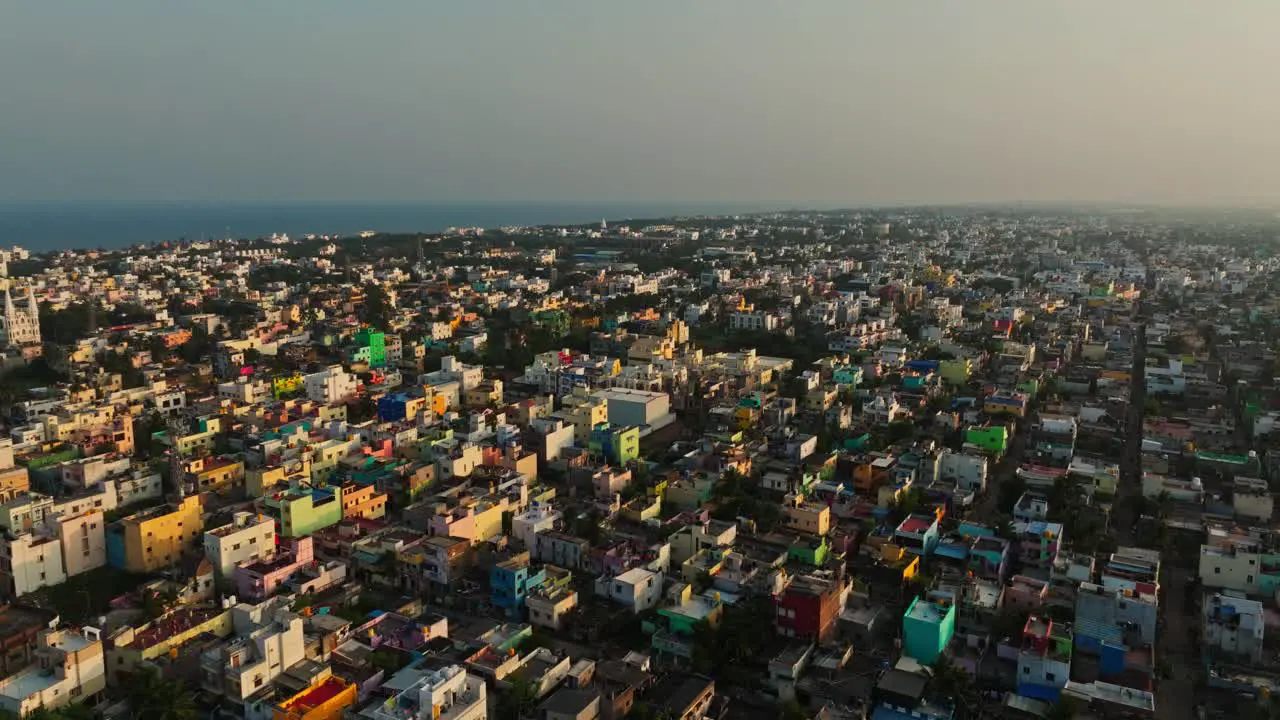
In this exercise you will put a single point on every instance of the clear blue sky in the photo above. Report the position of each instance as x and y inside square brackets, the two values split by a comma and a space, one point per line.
[815, 101]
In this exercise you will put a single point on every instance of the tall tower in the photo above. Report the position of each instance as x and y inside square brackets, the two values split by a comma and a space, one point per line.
[20, 326]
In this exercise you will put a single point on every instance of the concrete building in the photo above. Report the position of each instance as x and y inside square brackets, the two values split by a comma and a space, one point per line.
[29, 562]
[155, 538]
[69, 668]
[968, 472]
[1251, 498]
[84, 541]
[636, 589]
[1233, 628]
[1044, 660]
[550, 607]
[248, 537]
[641, 408]
[449, 693]
[928, 625]
[331, 385]
[268, 640]
[302, 511]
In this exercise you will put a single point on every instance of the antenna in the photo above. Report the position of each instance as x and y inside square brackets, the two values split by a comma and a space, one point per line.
[177, 475]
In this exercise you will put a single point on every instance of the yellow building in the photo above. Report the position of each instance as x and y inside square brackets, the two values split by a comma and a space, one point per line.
[326, 700]
[129, 647]
[216, 475]
[157, 538]
[259, 481]
[583, 412]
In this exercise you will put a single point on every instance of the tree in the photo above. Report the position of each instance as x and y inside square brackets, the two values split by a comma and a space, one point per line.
[517, 701]
[153, 697]
[955, 684]
[377, 308]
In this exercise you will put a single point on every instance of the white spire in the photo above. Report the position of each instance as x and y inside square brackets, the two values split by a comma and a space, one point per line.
[8, 304]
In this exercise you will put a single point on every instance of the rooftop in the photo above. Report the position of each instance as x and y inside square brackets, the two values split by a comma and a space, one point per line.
[317, 695]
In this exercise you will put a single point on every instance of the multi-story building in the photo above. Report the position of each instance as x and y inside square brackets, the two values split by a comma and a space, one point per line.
[259, 578]
[331, 385]
[248, 537]
[1044, 660]
[267, 641]
[155, 538]
[1038, 544]
[302, 511]
[1115, 616]
[928, 625]
[512, 580]
[29, 562]
[84, 540]
[449, 693]
[967, 472]
[1053, 440]
[69, 668]
[20, 327]
[363, 501]
[550, 607]
[1233, 628]
[808, 606]
[637, 589]
[1251, 498]
[918, 534]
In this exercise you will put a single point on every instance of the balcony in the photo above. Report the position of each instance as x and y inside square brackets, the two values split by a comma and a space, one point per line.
[672, 644]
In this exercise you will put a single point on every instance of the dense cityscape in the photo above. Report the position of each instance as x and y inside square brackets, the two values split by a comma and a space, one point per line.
[917, 463]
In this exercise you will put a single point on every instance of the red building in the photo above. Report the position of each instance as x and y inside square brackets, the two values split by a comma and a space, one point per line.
[808, 607]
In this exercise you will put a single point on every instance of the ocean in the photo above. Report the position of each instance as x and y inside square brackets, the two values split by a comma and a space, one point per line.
[51, 227]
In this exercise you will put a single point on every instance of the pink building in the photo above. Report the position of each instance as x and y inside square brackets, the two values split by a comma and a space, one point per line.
[1025, 593]
[258, 579]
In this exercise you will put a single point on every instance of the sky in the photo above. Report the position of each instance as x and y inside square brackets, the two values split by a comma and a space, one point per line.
[815, 102]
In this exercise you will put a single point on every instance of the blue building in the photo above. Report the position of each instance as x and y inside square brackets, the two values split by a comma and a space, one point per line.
[511, 581]
[393, 407]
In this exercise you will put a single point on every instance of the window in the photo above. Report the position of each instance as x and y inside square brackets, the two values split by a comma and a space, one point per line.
[1048, 676]
[236, 546]
[1026, 671]
[253, 541]
[1249, 579]
[1217, 571]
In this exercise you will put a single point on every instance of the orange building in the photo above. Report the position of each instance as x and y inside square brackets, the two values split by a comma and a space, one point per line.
[325, 701]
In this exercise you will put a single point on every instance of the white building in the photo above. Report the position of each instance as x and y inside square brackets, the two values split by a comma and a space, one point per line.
[636, 589]
[19, 326]
[331, 385]
[29, 562]
[642, 408]
[538, 518]
[247, 537]
[1233, 628]
[246, 391]
[268, 641]
[449, 693]
[754, 321]
[84, 541]
[968, 472]
[69, 667]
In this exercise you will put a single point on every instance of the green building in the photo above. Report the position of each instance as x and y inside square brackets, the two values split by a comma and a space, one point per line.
[993, 438]
[371, 347]
[810, 551]
[928, 625]
[302, 511]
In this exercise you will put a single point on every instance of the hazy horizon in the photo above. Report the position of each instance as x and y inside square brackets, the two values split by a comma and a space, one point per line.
[822, 105]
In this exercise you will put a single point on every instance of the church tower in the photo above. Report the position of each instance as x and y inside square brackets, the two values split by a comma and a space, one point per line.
[20, 326]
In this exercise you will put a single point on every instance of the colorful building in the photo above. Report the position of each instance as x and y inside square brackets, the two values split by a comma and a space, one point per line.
[928, 625]
[371, 348]
[918, 534]
[992, 438]
[326, 700]
[512, 580]
[808, 607]
[286, 385]
[618, 444]
[302, 511]
[157, 538]
[1044, 662]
